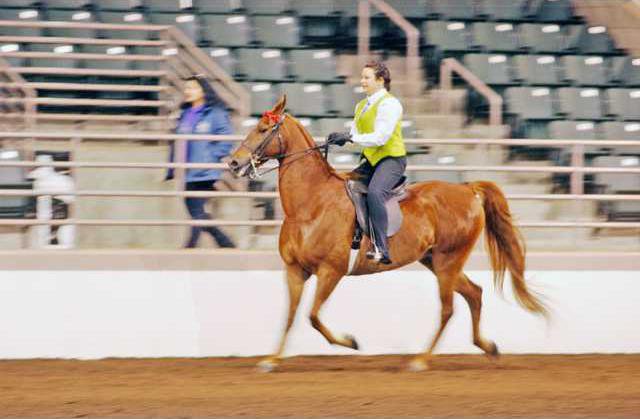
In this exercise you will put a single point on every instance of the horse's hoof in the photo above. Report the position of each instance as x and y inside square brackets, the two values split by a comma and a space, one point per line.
[353, 343]
[493, 353]
[418, 365]
[267, 365]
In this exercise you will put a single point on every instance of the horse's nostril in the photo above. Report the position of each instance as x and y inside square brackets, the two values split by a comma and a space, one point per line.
[233, 164]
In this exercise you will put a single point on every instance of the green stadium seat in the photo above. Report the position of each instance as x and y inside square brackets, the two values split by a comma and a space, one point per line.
[493, 69]
[187, 22]
[325, 126]
[551, 10]
[316, 8]
[583, 70]
[495, 37]
[164, 6]
[107, 50]
[260, 64]
[543, 38]
[313, 65]
[225, 58]
[626, 71]
[305, 99]
[227, 30]
[119, 5]
[624, 103]
[590, 40]
[452, 9]
[67, 4]
[343, 98]
[270, 7]
[71, 16]
[28, 15]
[123, 17]
[277, 31]
[410, 9]
[447, 36]
[263, 96]
[536, 69]
[218, 6]
[530, 102]
[616, 130]
[504, 10]
[59, 60]
[573, 130]
[580, 103]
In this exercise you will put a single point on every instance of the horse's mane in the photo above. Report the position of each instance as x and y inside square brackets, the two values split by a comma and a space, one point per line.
[311, 143]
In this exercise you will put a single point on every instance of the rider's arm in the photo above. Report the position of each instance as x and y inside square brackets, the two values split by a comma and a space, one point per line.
[389, 113]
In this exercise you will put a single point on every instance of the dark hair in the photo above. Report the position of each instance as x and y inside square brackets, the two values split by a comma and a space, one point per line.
[381, 71]
[211, 98]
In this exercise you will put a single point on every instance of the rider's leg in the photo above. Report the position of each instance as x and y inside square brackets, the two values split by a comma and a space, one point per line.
[388, 173]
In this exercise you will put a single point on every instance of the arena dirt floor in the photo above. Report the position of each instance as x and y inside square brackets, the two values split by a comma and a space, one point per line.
[456, 385]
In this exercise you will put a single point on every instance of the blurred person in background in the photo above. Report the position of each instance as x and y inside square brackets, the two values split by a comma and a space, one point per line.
[377, 127]
[203, 112]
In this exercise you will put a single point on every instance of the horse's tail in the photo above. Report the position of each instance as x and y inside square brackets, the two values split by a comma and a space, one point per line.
[506, 246]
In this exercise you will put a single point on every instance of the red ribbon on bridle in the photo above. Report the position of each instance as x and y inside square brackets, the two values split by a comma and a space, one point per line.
[271, 117]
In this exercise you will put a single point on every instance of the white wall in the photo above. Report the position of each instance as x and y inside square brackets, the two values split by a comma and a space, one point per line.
[94, 314]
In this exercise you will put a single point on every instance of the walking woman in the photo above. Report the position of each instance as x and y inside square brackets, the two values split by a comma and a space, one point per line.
[377, 127]
[203, 112]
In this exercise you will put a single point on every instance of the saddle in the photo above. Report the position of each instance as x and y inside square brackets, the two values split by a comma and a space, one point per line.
[357, 191]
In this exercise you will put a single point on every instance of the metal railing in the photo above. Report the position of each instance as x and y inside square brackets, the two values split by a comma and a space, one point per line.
[413, 35]
[450, 66]
[576, 172]
[180, 58]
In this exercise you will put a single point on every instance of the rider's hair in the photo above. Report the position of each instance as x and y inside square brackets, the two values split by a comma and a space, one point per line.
[381, 71]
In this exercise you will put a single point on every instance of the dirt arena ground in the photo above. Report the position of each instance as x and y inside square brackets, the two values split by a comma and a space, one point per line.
[457, 385]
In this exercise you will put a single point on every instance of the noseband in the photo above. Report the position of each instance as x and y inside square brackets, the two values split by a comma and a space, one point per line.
[257, 154]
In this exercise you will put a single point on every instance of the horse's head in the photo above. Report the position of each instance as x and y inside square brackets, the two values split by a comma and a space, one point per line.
[263, 143]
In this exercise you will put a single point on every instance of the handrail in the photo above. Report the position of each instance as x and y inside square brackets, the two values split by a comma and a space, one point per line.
[451, 65]
[81, 25]
[412, 33]
[224, 84]
[88, 86]
[93, 135]
[182, 58]
[29, 110]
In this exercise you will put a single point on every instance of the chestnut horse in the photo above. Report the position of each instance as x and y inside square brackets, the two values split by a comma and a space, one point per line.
[441, 225]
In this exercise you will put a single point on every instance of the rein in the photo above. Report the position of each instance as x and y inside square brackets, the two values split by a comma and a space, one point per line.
[257, 157]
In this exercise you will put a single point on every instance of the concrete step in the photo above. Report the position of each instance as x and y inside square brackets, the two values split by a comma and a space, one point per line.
[441, 122]
[486, 131]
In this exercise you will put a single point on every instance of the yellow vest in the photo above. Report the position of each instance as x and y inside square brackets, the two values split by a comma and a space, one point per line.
[365, 123]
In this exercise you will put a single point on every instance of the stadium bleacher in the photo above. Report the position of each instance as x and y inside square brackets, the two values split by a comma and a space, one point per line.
[559, 76]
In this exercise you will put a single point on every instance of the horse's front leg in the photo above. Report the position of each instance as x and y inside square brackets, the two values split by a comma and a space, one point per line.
[328, 278]
[296, 276]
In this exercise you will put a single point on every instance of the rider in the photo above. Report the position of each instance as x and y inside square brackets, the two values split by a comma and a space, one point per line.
[377, 127]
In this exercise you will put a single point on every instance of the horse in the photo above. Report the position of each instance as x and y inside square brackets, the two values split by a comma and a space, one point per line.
[441, 224]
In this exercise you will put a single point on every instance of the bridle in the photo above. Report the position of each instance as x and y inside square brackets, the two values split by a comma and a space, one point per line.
[257, 155]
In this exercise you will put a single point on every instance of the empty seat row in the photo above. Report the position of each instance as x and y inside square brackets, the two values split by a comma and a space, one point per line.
[542, 10]
[592, 130]
[549, 70]
[306, 99]
[508, 37]
[224, 30]
[106, 56]
[261, 64]
[574, 103]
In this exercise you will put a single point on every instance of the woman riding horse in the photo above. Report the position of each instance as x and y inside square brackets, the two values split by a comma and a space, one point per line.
[377, 127]
[441, 225]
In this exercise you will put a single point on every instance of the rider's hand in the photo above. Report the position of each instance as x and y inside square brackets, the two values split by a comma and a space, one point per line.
[339, 138]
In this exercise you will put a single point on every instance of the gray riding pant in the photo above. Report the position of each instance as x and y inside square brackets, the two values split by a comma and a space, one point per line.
[381, 180]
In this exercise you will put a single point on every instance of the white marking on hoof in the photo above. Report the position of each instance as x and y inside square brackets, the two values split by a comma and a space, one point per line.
[266, 365]
[417, 365]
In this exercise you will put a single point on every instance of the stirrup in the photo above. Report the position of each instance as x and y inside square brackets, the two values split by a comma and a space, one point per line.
[357, 238]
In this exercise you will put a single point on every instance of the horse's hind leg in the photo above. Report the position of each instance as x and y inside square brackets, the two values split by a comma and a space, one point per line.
[327, 281]
[447, 284]
[472, 293]
[295, 283]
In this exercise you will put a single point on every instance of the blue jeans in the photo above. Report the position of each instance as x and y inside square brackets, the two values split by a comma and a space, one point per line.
[195, 206]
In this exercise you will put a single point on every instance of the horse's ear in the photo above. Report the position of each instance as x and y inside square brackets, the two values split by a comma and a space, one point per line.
[282, 103]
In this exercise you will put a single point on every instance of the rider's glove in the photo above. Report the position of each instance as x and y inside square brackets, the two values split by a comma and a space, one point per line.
[339, 138]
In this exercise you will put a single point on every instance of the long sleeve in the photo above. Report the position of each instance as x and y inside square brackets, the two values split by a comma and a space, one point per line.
[388, 115]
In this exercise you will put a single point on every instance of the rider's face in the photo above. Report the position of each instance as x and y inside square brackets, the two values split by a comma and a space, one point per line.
[369, 83]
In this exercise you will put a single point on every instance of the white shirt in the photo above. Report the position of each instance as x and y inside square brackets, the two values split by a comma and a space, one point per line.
[389, 113]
